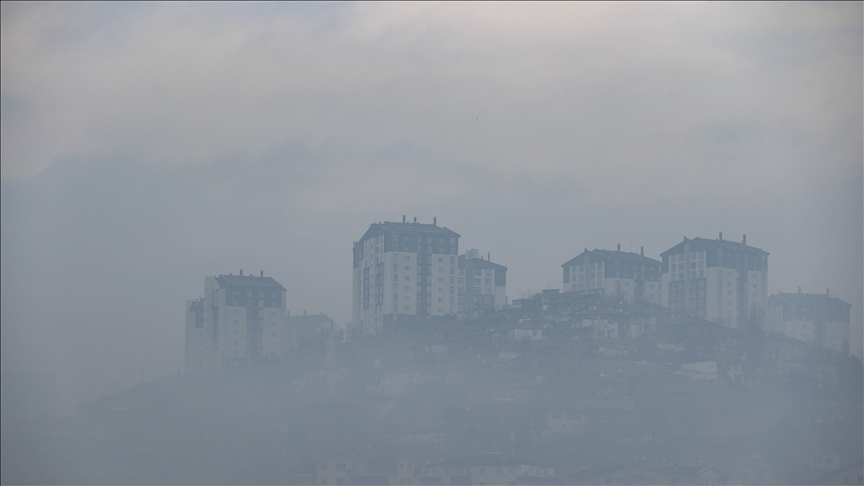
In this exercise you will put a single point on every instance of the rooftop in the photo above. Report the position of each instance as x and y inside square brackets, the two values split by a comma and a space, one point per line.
[376, 229]
[624, 256]
[808, 299]
[248, 280]
[718, 244]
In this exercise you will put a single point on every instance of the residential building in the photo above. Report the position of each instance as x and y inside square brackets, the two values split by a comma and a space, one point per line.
[240, 318]
[619, 274]
[723, 281]
[404, 272]
[818, 319]
[482, 284]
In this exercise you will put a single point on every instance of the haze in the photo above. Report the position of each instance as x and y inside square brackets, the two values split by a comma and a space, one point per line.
[146, 146]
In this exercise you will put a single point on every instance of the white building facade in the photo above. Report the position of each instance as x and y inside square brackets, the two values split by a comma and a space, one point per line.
[723, 281]
[240, 318]
[403, 272]
[627, 276]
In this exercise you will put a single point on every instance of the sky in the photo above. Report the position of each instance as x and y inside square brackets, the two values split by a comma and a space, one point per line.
[146, 146]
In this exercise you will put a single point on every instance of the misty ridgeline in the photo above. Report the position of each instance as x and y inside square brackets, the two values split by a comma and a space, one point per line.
[641, 371]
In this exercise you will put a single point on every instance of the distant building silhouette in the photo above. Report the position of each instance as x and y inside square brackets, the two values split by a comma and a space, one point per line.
[630, 277]
[818, 319]
[482, 284]
[404, 272]
[723, 281]
[240, 318]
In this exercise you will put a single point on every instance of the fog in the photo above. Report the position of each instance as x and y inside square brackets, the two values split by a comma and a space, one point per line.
[146, 147]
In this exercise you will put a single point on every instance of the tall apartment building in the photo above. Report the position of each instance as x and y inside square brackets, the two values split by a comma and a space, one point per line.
[404, 272]
[239, 318]
[723, 281]
[482, 284]
[818, 319]
[624, 275]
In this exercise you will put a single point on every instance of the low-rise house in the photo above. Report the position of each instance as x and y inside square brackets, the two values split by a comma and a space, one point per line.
[525, 332]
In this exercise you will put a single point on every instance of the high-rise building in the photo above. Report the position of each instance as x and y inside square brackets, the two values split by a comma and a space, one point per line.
[482, 284]
[404, 272]
[627, 276]
[818, 319]
[723, 281]
[240, 318]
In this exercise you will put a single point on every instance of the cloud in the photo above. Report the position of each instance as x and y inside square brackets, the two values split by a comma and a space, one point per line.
[630, 98]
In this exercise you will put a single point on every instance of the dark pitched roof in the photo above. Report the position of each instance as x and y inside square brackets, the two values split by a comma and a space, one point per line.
[807, 299]
[480, 263]
[376, 229]
[248, 280]
[699, 244]
[613, 255]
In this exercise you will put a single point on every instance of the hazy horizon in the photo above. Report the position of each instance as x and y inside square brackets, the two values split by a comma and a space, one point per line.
[147, 146]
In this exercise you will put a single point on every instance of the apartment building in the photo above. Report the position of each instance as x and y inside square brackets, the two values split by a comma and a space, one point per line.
[627, 276]
[818, 319]
[482, 285]
[239, 318]
[723, 281]
[404, 272]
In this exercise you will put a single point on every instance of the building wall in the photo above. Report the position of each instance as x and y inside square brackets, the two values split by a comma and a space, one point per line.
[829, 334]
[392, 285]
[625, 276]
[723, 286]
[482, 285]
[237, 331]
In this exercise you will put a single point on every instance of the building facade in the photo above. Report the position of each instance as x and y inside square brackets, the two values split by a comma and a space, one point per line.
[722, 281]
[818, 319]
[239, 318]
[404, 272]
[482, 285]
[631, 277]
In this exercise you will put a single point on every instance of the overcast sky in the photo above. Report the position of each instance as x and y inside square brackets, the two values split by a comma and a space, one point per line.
[146, 146]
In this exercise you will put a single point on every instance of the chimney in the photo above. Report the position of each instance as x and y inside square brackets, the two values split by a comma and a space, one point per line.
[403, 218]
[434, 221]
[304, 312]
[721, 236]
[744, 240]
[262, 273]
[488, 256]
[415, 219]
[642, 251]
[799, 290]
[619, 246]
[827, 292]
[241, 272]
